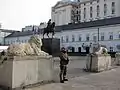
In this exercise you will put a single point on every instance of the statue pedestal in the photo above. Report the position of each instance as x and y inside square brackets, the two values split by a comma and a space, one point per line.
[51, 46]
[18, 71]
[98, 63]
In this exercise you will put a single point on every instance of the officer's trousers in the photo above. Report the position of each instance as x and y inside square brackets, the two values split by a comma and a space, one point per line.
[63, 71]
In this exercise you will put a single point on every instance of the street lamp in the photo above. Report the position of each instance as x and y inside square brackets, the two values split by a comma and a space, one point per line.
[98, 35]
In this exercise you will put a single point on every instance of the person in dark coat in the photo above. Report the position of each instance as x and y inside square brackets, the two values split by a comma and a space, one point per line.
[64, 60]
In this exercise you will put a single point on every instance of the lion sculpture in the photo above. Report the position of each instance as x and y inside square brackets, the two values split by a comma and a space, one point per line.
[33, 47]
[100, 50]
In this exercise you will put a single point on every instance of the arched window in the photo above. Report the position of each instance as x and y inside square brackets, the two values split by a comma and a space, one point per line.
[73, 49]
[79, 49]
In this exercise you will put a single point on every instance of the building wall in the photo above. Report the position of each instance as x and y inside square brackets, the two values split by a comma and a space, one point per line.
[107, 30]
[30, 28]
[62, 15]
[94, 4]
[110, 33]
[17, 40]
[24, 39]
[2, 35]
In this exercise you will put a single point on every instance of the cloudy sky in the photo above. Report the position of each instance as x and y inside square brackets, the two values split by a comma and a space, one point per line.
[15, 14]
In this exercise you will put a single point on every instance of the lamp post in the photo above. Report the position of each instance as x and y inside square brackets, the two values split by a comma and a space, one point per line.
[98, 35]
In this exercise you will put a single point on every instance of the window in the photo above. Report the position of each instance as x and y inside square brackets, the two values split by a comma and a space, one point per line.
[113, 7]
[67, 38]
[77, 18]
[91, 12]
[102, 36]
[105, 9]
[73, 49]
[98, 10]
[79, 15]
[119, 35]
[111, 49]
[73, 38]
[79, 38]
[11, 42]
[111, 36]
[98, 1]
[91, 2]
[87, 37]
[79, 5]
[84, 13]
[79, 49]
[118, 47]
[25, 41]
[77, 12]
[61, 39]
[94, 38]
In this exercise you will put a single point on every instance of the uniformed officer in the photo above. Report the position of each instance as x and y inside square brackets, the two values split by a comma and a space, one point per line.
[64, 60]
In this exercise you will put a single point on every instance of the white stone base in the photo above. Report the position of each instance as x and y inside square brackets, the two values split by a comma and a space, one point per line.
[98, 63]
[21, 71]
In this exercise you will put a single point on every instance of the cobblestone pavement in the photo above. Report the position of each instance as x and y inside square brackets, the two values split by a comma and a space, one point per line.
[79, 80]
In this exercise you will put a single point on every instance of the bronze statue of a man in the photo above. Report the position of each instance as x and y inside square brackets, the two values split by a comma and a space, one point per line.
[49, 23]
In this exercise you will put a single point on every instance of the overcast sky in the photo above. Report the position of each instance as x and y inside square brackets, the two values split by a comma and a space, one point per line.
[15, 14]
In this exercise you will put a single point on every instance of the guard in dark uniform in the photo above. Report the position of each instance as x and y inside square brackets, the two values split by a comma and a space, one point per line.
[64, 60]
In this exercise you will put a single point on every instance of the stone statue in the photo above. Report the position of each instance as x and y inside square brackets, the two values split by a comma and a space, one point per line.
[33, 47]
[49, 29]
[98, 49]
[49, 23]
[95, 48]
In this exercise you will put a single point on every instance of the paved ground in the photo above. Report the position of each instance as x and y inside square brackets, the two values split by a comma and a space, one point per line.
[79, 80]
[75, 68]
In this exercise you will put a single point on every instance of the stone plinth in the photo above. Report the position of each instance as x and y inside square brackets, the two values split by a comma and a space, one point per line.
[51, 46]
[21, 71]
[98, 63]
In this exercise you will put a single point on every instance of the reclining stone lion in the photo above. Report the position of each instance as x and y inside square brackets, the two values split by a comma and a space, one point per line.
[33, 47]
[100, 50]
